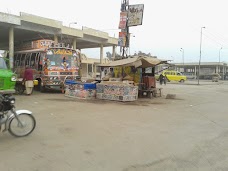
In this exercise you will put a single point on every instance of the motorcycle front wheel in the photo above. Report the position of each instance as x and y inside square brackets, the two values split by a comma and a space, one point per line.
[24, 126]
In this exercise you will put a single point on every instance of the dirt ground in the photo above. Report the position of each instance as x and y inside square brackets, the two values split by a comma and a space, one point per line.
[187, 133]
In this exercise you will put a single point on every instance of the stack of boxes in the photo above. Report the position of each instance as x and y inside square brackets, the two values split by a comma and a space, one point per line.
[80, 90]
[116, 91]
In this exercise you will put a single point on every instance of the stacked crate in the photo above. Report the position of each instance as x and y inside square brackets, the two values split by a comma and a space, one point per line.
[80, 90]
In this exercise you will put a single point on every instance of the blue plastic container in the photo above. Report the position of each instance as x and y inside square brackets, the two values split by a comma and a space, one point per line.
[89, 86]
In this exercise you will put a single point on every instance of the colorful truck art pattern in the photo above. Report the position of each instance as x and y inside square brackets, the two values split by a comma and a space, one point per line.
[118, 92]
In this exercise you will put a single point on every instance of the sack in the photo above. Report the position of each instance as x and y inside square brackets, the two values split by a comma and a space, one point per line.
[35, 82]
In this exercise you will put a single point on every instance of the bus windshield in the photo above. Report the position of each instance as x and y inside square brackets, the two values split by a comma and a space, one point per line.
[62, 58]
[2, 64]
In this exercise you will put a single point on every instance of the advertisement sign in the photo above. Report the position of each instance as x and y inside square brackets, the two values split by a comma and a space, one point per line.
[122, 39]
[123, 20]
[42, 43]
[122, 34]
[135, 15]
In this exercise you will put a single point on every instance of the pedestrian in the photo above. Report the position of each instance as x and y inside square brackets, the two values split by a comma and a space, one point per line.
[165, 79]
[28, 79]
[161, 79]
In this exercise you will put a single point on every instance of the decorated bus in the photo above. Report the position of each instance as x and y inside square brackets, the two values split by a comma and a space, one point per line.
[51, 63]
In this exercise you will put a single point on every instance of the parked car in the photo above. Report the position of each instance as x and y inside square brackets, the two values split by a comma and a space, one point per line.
[215, 77]
[173, 75]
[190, 76]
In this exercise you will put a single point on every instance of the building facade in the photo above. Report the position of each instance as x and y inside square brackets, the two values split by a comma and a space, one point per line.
[191, 69]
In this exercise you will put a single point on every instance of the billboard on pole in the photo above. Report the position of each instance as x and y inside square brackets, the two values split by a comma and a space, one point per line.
[123, 20]
[135, 14]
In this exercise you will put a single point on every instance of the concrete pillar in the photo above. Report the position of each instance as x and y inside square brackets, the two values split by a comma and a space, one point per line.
[217, 69]
[55, 39]
[113, 52]
[92, 70]
[95, 70]
[195, 72]
[87, 70]
[75, 43]
[223, 72]
[101, 53]
[11, 46]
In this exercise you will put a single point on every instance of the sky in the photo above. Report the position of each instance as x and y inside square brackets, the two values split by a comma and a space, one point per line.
[168, 25]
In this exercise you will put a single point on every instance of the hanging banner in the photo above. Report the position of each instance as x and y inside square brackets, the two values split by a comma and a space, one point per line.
[122, 39]
[122, 34]
[135, 15]
[123, 20]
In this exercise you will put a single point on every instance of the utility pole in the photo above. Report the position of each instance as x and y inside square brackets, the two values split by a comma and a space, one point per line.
[200, 53]
[124, 8]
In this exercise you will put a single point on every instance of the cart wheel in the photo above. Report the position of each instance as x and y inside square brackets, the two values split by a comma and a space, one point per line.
[19, 89]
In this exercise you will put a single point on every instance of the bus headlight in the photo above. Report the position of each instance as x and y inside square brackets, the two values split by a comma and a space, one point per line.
[14, 78]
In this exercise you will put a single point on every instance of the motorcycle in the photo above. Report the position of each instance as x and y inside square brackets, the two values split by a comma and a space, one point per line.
[19, 123]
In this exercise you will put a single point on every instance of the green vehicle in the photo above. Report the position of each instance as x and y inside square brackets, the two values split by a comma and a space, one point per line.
[7, 78]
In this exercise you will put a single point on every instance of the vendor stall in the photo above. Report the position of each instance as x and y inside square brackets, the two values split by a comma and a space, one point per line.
[144, 82]
[118, 91]
[80, 90]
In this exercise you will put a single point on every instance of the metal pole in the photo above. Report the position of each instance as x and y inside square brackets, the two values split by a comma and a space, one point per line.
[200, 53]
[219, 60]
[124, 8]
[182, 50]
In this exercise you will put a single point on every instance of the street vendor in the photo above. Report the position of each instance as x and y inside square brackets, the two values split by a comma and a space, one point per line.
[28, 79]
[111, 73]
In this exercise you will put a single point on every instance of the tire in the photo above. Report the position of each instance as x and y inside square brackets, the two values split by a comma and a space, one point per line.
[41, 88]
[14, 125]
[181, 81]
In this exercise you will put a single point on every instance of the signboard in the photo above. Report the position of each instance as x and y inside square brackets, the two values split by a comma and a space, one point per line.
[42, 43]
[135, 14]
[123, 20]
[122, 39]
[60, 52]
[122, 34]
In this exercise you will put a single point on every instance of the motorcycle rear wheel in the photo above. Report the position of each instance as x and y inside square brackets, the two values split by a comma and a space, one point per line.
[28, 125]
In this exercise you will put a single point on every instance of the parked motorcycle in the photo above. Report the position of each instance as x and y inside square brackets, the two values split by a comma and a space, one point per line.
[19, 123]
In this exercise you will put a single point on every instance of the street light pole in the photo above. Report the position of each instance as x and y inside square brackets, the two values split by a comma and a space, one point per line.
[219, 61]
[200, 52]
[182, 50]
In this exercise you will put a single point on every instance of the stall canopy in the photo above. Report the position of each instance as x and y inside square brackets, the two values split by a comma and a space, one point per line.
[137, 62]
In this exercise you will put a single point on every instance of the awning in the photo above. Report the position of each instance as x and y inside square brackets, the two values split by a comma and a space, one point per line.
[137, 62]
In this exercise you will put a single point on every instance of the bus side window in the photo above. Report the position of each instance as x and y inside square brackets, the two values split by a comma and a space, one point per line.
[32, 60]
[39, 61]
[28, 56]
[22, 63]
[15, 59]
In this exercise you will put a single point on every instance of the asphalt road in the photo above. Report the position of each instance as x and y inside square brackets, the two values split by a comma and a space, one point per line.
[188, 133]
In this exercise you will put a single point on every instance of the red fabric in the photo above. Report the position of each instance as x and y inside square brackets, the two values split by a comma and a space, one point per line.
[28, 75]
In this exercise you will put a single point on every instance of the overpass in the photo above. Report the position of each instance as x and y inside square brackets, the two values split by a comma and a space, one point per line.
[27, 27]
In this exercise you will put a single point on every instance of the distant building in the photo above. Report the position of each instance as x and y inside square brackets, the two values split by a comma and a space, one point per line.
[89, 68]
[191, 69]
